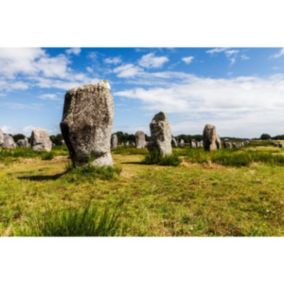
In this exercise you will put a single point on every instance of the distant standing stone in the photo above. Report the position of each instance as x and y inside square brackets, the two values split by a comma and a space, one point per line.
[1, 137]
[161, 135]
[228, 145]
[140, 140]
[114, 141]
[211, 140]
[174, 142]
[40, 140]
[181, 143]
[87, 124]
[9, 142]
[24, 143]
[193, 144]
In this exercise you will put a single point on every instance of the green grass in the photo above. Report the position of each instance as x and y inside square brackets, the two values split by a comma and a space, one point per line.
[122, 150]
[88, 221]
[196, 198]
[12, 155]
[237, 158]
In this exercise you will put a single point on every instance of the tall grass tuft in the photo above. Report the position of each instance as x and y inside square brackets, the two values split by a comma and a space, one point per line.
[154, 157]
[47, 156]
[88, 221]
[89, 172]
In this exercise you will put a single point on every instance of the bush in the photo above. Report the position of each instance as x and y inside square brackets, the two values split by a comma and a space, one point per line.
[88, 221]
[154, 157]
[90, 172]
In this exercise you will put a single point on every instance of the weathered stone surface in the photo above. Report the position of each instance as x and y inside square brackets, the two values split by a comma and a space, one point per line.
[161, 135]
[8, 142]
[87, 124]
[1, 137]
[174, 142]
[24, 143]
[40, 140]
[114, 141]
[140, 140]
[211, 140]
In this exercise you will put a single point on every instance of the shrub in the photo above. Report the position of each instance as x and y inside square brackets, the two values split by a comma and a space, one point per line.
[88, 221]
[154, 157]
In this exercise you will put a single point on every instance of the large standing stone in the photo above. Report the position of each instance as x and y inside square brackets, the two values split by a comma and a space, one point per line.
[87, 124]
[211, 140]
[40, 140]
[161, 135]
[114, 141]
[8, 142]
[1, 137]
[24, 143]
[140, 140]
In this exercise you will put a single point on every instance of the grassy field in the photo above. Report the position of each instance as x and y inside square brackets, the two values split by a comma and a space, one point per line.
[225, 193]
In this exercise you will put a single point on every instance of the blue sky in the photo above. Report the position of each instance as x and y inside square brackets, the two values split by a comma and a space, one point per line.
[240, 90]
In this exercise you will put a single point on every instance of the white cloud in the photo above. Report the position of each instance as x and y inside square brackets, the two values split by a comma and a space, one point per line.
[127, 70]
[280, 53]
[31, 61]
[231, 54]
[238, 106]
[188, 59]
[74, 50]
[21, 106]
[151, 61]
[50, 97]
[113, 60]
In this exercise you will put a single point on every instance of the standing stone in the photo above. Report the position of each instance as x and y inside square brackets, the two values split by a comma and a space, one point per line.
[8, 142]
[174, 142]
[114, 141]
[87, 124]
[1, 137]
[181, 143]
[193, 144]
[140, 140]
[228, 145]
[24, 143]
[161, 135]
[211, 140]
[40, 140]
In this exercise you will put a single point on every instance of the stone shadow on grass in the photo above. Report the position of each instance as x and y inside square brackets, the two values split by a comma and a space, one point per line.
[43, 177]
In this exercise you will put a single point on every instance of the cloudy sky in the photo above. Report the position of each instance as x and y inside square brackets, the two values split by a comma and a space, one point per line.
[240, 90]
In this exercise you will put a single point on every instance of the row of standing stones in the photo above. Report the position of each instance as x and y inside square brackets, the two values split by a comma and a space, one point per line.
[86, 128]
[39, 141]
[87, 122]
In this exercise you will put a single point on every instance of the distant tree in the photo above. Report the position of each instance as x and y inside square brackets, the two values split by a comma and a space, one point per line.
[18, 136]
[265, 136]
[56, 139]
